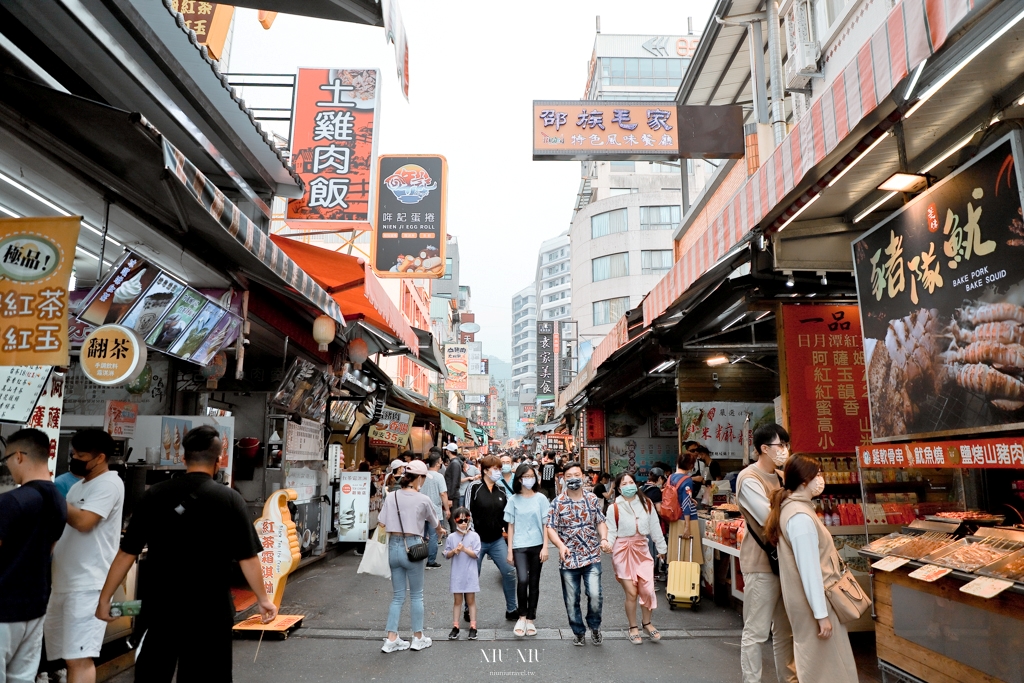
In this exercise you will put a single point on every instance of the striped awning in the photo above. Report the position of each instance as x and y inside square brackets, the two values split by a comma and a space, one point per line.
[274, 264]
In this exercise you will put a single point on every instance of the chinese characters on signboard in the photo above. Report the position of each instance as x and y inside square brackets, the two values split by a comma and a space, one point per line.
[210, 21]
[456, 361]
[280, 543]
[47, 414]
[545, 360]
[21, 386]
[720, 426]
[1007, 452]
[939, 285]
[119, 419]
[604, 130]
[334, 145]
[112, 355]
[36, 257]
[352, 507]
[409, 228]
[826, 388]
[392, 430]
[594, 425]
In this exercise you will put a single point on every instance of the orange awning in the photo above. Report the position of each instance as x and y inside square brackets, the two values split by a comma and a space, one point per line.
[350, 282]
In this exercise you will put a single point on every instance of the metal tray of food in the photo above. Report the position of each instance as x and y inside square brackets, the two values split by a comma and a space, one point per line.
[967, 518]
[925, 544]
[1009, 567]
[887, 544]
[970, 554]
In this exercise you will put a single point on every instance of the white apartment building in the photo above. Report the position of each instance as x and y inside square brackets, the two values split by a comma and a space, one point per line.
[554, 281]
[524, 343]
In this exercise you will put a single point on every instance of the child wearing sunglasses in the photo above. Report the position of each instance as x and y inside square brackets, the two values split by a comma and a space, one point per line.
[462, 548]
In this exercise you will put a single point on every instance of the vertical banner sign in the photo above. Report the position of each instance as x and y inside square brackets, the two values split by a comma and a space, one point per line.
[545, 360]
[36, 257]
[47, 413]
[456, 361]
[409, 228]
[334, 146]
[826, 389]
[353, 507]
[941, 286]
[394, 33]
[594, 426]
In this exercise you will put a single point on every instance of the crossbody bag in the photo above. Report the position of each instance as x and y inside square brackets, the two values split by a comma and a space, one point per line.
[417, 552]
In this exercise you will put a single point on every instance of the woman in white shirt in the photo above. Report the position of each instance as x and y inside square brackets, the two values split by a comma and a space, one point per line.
[808, 562]
[630, 519]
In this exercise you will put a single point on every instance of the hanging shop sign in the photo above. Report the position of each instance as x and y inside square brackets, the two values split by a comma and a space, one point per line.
[545, 360]
[112, 355]
[334, 146]
[304, 391]
[36, 258]
[720, 426]
[352, 515]
[21, 387]
[393, 428]
[456, 362]
[594, 425]
[409, 227]
[170, 316]
[119, 419]
[592, 130]
[47, 414]
[1004, 452]
[824, 383]
[304, 441]
[394, 32]
[592, 458]
[939, 285]
[210, 21]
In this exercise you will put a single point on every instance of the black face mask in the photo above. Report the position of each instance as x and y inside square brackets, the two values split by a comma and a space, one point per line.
[78, 467]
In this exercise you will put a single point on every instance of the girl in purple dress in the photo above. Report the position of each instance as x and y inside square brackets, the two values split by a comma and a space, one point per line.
[462, 548]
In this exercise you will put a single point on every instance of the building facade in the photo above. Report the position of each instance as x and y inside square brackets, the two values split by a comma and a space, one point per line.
[554, 281]
[524, 343]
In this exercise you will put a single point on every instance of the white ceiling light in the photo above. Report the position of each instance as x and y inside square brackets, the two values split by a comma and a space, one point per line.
[59, 209]
[717, 360]
[856, 161]
[798, 212]
[935, 87]
[78, 249]
[948, 153]
[789, 281]
[663, 367]
[913, 81]
[904, 182]
[865, 212]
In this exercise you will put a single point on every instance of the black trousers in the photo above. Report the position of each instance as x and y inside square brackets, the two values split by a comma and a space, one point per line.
[201, 652]
[527, 562]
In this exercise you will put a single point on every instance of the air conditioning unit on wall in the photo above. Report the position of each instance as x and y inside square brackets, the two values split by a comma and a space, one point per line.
[802, 64]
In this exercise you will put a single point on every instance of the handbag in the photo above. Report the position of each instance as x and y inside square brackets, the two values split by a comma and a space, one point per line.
[846, 595]
[375, 555]
[417, 552]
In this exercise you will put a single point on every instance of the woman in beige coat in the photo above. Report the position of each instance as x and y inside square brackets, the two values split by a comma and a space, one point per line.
[808, 562]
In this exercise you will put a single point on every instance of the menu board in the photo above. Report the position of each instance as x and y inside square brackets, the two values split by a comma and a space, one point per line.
[393, 428]
[20, 386]
[172, 317]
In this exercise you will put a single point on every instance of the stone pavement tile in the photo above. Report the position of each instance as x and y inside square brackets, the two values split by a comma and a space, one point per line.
[612, 634]
[674, 634]
[336, 633]
[716, 633]
[481, 634]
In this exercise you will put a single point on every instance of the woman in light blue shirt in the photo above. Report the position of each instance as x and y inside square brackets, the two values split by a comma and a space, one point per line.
[525, 513]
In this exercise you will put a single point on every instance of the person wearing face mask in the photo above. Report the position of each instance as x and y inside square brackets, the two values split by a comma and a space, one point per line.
[631, 519]
[487, 505]
[763, 610]
[808, 561]
[525, 513]
[404, 515]
[506, 474]
[462, 548]
[83, 555]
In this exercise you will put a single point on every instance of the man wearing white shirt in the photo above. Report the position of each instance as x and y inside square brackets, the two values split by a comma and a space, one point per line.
[83, 555]
[763, 609]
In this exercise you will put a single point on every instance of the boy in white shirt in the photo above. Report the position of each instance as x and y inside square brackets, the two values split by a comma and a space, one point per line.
[83, 555]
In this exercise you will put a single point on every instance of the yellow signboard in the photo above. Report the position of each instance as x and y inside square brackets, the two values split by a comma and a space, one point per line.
[280, 555]
[36, 257]
[113, 355]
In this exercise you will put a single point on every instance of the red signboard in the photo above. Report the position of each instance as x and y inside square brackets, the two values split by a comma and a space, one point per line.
[594, 422]
[334, 146]
[1005, 453]
[826, 389]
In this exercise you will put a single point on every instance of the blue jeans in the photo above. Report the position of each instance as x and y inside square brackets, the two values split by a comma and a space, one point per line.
[590, 578]
[431, 534]
[498, 550]
[403, 570]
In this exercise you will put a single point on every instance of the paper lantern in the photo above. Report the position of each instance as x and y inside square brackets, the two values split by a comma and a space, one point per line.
[324, 329]
[358, 351]
[215, 370]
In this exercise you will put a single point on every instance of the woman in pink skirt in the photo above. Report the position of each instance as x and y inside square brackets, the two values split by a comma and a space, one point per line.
[631, 519]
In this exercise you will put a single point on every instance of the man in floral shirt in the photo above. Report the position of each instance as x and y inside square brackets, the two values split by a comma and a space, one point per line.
[576, 527]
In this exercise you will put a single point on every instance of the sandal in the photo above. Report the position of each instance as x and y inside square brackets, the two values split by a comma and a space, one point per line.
[635, 639]
[520, 629]
[531, 629]
[652, 633]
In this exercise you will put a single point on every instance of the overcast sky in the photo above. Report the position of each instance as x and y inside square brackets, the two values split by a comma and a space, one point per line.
[474, 71]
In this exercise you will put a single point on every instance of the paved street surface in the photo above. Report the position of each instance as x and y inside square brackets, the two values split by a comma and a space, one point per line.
[345, 614]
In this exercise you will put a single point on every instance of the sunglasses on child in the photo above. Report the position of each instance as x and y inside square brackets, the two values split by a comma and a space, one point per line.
[460, 520]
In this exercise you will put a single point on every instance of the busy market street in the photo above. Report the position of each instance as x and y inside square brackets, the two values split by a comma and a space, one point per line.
[435, 340]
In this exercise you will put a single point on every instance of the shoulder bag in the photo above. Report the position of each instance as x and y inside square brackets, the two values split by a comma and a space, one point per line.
[417, 552]
[846, 595]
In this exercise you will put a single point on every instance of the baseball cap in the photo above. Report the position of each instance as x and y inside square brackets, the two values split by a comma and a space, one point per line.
[451, 447]
[395, 464]
[417, 467]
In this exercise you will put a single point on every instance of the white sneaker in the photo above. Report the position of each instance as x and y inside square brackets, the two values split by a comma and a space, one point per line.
[420, 643]
[395, 645]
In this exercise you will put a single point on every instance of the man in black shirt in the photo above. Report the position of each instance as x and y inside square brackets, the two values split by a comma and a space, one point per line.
[453, 476]
[548, 474]
[32, 518]
[487, 506]
[195, 529]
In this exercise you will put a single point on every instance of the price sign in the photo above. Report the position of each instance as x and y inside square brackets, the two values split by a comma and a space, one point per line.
[887, 564]
[929, 573]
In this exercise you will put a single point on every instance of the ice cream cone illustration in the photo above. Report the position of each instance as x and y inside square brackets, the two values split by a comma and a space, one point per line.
[167, 441]
[347, 517]
[177, 445]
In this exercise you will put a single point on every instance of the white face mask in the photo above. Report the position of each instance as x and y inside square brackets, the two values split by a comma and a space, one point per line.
[816, 486]
[528, 482]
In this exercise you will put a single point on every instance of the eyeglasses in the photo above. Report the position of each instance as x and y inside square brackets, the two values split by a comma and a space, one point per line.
[781, 444]
[11, 455]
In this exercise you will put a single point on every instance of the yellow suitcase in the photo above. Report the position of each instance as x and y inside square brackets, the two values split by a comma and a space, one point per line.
[683, 589]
